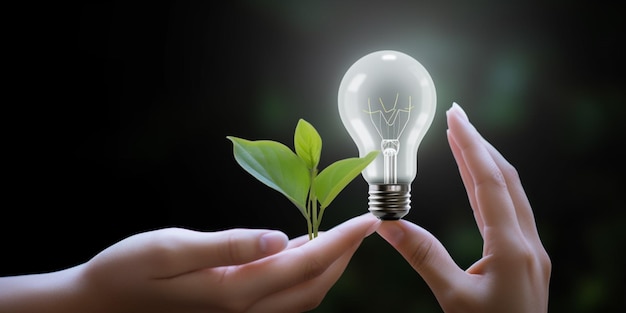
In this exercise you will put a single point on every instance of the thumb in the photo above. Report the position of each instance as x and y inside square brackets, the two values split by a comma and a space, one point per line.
[424, 253]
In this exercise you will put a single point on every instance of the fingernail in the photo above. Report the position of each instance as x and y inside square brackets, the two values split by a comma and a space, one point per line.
[273, 242]
[393, 232]
[457, 108]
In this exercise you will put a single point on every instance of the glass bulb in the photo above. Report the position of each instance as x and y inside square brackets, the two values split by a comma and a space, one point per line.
[387, 102]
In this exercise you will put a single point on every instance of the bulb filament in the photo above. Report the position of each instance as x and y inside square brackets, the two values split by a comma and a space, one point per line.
[390, 124]
[390, 149]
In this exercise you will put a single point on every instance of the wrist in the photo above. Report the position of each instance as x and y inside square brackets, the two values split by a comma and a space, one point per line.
[59, 291]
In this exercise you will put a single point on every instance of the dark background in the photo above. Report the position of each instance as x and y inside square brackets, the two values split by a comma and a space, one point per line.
[116, 116]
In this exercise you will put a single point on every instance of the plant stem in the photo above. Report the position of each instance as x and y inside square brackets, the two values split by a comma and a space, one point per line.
[308, 220]
[313, 202]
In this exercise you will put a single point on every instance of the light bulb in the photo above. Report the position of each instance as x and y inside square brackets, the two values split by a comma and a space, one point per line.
[387, 102]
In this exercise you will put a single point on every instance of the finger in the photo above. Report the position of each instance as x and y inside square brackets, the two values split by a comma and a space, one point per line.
[466, 177]
[307, 295]
[294, 266]
[424, 253]
[298, 241]
[237, 287]
[523, 208]
[492, 197]
[177, 251]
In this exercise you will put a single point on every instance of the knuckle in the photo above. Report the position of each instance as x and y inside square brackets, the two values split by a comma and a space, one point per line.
[497, 176]
[492, 176]
[545, 263]
[312, 268]
[230, 250]
[532, 260]
[510, 171]
[163, 247]
[521, 254]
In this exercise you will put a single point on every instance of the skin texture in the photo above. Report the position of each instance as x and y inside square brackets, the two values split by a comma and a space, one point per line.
[253, 270]
[180, 270]
[514, 272]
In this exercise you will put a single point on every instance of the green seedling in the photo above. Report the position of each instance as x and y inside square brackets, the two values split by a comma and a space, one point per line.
[295, 175]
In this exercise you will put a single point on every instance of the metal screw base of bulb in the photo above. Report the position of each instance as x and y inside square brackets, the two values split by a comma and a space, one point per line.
[390, 201]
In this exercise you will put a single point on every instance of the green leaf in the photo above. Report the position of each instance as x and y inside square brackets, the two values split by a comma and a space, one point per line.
[308, 143]
[334, 178]
[275, 165]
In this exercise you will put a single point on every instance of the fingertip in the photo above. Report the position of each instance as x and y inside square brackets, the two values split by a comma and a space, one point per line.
[273, 242]
[391, 231]
[366, 219]
[375, 224]
[373, 220]
[456, 109]
[459, 127]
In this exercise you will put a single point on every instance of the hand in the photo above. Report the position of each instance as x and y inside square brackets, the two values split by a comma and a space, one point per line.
[179, 270]
[513, 274]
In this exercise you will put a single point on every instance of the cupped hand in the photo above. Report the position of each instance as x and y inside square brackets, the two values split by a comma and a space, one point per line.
[237, 270]
[514, 272]
[185, 271]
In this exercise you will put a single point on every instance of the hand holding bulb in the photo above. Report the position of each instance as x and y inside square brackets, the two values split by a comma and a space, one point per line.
[513, 274]
[387, 102]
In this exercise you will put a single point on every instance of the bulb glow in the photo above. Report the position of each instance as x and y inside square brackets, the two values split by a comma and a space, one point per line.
[387, 102]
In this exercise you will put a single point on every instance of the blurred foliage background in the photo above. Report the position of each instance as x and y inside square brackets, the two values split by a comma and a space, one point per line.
[120, 114]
